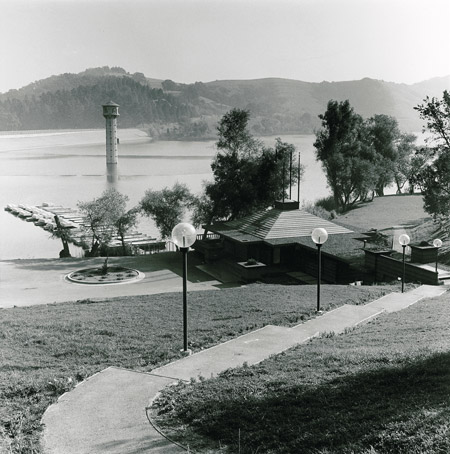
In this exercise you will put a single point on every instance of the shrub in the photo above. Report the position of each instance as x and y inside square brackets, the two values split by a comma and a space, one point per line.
[327, 203]
[251, 261]
[319, 211]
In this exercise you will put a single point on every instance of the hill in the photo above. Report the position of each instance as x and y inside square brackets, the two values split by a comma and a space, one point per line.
[175, 110]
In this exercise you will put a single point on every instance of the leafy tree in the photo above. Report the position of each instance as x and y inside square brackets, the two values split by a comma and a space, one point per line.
[347, 158]
[124, 224]
[436, 113]
[361, 156]
[167, 207]
[202, 210]
[234, 136]
[410, 160]
[384, 135]
[247, 175]
[434, 178]
[102, 215]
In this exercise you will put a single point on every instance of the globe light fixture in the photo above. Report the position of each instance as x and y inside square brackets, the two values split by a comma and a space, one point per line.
[437, 243]
[184, 236]
[319, 237]
[404, 241]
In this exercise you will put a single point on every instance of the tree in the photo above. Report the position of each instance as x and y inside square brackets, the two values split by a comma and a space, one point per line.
[234, 136]
[410, 160]
[102, 215]
[247, 176]
[434, 178]
[62, 233]
[124, 224]
[436, 113]
[166, 207]
[384, 135]
[347, 158]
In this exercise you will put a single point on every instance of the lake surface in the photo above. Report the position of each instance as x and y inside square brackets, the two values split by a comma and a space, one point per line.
[66, 167]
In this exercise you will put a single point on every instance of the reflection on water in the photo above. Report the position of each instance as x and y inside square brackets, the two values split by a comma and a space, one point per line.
[112, 173]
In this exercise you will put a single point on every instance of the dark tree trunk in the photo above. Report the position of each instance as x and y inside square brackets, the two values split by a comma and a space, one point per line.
[62, 234]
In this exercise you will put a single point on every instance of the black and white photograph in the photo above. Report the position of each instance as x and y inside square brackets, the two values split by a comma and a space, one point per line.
[224, 226]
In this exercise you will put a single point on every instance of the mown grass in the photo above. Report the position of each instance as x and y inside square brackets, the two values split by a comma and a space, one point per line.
[381, 388]
[45, 350]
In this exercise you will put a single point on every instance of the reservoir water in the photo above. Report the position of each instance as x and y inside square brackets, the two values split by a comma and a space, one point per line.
[65, 167]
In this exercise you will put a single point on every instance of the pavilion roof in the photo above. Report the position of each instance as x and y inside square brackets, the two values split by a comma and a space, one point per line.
[276, 224]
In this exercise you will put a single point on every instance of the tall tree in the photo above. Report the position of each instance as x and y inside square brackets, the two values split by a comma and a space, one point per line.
[410, 160]
[384, 135]
[247, 176]
[346, 155]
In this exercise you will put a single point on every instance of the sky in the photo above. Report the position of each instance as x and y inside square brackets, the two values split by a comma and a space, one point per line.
[403, 41]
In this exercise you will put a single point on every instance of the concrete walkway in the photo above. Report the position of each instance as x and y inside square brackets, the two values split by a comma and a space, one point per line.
[106, 414]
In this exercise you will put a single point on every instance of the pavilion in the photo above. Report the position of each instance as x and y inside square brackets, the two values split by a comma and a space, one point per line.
[279, 240]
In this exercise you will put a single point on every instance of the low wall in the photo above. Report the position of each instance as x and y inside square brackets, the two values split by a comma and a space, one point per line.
[385, 268]
[334, 269]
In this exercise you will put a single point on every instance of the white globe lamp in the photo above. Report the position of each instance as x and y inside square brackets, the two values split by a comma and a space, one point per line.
[319, 237]
[184, 236]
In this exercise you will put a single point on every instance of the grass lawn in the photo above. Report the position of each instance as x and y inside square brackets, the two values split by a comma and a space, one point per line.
[385, 212]
[45, 350]
[381, 388]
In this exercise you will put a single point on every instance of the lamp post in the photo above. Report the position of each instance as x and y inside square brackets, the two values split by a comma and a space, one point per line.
[437, 243]
[319, 236]
[404, 241]
[184, 236]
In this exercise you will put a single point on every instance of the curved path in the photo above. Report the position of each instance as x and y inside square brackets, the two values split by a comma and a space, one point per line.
[106, 414]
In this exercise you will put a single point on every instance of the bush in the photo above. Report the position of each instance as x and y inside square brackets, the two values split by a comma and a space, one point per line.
[319, 211]
[327, 203]
[251, 262]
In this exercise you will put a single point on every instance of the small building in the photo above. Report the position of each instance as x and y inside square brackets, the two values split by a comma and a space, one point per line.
[279, 240]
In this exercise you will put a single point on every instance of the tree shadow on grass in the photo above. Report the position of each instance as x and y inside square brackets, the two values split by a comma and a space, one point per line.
[385, 409]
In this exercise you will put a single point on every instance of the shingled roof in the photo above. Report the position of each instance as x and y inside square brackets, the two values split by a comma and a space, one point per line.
[276, 223]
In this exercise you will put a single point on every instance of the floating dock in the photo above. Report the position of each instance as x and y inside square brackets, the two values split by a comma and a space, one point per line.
[44, 216]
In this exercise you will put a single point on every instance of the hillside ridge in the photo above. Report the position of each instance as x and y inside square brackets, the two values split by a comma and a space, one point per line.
[176, 110]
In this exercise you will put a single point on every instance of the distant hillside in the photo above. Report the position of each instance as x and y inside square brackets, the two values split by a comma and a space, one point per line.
[174, 110]
[69, 81]
[301, 102]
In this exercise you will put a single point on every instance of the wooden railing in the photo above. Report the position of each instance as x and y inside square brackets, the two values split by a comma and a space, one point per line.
[170, 246]
[209, 236]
